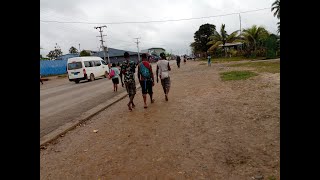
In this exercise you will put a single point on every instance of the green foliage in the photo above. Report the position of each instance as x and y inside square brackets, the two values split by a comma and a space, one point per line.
[276, 7]
[201, 38]
[222, 38]
[73, 50]
[84, 53]
[237, 75]
[54, 54]
[271, 45]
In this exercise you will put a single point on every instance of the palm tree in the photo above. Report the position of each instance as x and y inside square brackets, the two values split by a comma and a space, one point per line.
[253, 37]
[276, 6]
[217, 39]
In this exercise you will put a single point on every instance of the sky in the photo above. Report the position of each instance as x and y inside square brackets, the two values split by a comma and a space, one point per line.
[173, 36]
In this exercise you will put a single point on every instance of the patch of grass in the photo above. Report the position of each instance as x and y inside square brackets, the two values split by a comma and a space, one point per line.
[268, 66]
[237, 75]
[271, 178]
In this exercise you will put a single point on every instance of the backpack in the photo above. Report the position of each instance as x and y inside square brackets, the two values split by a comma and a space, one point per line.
[111, 74]
[144, 71]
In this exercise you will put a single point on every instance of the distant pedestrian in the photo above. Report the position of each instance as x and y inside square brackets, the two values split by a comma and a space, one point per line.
[146, 78]
[114, 75]
[185, 59]
[178, 61]
[163, 69]
[128, 70]
[209, 60]
[41, 79]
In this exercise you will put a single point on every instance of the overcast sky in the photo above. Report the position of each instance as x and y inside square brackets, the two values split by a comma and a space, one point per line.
[173, 36]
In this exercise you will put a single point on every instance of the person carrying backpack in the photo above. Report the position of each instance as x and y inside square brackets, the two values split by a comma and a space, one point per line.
[146, 78]
[114, 75]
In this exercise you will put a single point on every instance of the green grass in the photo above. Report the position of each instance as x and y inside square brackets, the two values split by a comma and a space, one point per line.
[270, 67]
[271, 178]
[237, 75]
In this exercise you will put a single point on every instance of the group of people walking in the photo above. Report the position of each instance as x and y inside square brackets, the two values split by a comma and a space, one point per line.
[145, 76]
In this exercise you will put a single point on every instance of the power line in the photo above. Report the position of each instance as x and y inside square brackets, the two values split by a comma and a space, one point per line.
[137, 22]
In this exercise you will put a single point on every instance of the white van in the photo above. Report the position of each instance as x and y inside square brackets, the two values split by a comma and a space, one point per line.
[86, 68]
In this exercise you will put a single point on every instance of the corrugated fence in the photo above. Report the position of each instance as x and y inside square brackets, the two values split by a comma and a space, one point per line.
[53, 67]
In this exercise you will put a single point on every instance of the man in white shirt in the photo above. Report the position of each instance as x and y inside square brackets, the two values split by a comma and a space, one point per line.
[163, 69]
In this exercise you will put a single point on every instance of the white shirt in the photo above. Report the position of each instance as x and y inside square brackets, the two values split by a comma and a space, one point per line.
[163, 68]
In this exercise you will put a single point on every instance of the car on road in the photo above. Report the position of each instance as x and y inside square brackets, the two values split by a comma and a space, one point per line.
[191, 58]
[86, 68]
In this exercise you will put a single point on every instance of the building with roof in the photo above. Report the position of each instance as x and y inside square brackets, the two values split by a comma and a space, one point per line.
[236, 45]
[154, 51]
[116, 55]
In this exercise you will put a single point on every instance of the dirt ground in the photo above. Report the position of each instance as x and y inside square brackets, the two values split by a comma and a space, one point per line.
[208, 129]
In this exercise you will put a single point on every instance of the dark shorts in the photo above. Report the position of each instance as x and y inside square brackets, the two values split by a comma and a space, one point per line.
[146, 87]
[131, 88]
[115, 81]
[165, 83]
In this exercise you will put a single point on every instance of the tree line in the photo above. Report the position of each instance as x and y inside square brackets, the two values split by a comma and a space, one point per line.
[255, 41]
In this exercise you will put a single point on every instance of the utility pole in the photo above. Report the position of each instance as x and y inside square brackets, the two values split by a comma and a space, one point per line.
[104, 49]
[240, 22]
[79, 48]
[138, 48]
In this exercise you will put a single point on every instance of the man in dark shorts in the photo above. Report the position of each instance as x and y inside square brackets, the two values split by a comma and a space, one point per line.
[128, 70]
[163, 68]
[178, 61]
[146, 78]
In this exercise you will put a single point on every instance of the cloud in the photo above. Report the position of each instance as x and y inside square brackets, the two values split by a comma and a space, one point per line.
[175, 36]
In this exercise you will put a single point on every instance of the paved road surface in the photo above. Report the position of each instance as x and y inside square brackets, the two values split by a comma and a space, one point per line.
[61, 101]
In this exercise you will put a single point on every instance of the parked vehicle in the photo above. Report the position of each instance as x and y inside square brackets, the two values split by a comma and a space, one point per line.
[86, 68]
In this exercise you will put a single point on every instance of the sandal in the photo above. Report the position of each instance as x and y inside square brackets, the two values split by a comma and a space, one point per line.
[166, 98]
[152, 101]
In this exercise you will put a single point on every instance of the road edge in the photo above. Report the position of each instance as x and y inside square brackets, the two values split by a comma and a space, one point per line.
[79, 120]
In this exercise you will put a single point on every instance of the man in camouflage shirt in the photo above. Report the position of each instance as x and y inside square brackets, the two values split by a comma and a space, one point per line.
[128, 68]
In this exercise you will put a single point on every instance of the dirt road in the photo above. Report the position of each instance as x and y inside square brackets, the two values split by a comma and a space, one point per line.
[208, 129]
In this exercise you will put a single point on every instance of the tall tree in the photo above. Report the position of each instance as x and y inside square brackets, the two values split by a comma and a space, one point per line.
[222, 38]
[54, 54]
[254, 37]
[73, 50]
[201, 37]
[276, 7]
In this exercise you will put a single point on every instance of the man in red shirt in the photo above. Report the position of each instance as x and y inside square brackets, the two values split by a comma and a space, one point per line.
[146, 78]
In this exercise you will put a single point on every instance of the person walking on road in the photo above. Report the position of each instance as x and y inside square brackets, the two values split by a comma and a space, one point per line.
[185, 59]
[41, 79]
[163, 69]
[146, 78]
[178, 61]
[209, 60]
[114, 75]
[128, 70]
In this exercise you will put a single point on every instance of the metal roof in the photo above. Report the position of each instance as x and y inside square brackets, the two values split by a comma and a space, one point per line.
[114, 53]
[231, 44]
